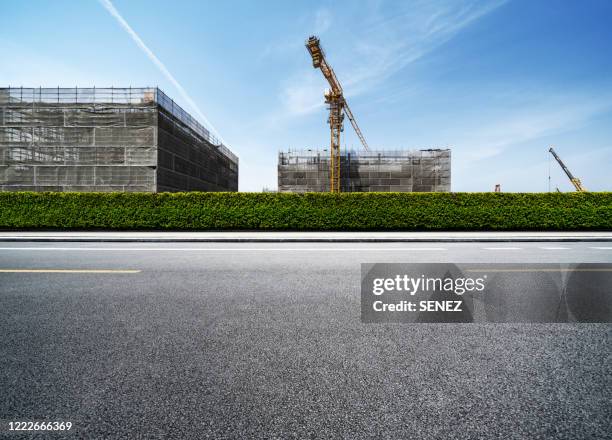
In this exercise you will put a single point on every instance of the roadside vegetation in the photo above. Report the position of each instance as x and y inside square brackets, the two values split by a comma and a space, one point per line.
[312, 211]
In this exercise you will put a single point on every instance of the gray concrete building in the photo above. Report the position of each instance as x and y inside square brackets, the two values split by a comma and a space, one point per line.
[109, 139]
[367, 171]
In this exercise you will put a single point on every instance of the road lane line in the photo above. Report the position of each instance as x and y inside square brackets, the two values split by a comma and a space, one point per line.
[540, 270]
[218, 249]
[600, 248]
[555, 248]
[503, 248]
[113, 271]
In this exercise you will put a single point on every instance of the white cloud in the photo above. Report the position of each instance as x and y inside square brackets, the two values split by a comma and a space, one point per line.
[540, 117]
[318, 24]
[511, 146]
[302, 94]
[386, 43]
[397, 39]
[532, 175]
[323, 21]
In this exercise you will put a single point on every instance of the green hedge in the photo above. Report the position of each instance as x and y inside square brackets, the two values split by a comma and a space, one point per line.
[313, 211]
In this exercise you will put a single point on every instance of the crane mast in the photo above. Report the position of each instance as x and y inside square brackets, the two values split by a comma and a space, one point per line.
[575, 181]
[338, 107]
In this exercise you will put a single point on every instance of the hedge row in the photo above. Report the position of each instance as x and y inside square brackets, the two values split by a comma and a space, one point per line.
[313, 211]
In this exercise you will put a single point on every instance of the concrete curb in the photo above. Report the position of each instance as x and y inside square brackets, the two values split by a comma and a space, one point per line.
[300, 241]
[356, 238]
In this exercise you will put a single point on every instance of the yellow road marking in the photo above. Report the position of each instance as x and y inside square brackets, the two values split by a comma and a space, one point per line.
[69, 271]
[539, 270]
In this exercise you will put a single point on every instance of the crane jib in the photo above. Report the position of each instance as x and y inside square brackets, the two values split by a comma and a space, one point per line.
[337, 106]
[574, 180]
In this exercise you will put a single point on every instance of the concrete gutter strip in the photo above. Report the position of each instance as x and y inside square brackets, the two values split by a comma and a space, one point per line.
[329, 237]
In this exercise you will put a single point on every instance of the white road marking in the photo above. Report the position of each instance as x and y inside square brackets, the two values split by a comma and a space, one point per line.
[69, 271]
[555, 248]
[503, 248]
[219, 249]
[600, 248]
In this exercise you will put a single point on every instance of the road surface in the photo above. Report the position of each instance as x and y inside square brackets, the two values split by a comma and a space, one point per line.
[264, 340]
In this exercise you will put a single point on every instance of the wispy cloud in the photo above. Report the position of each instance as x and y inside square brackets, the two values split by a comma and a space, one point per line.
[388, 39]
[395, 40]
[316, 24]
[550, 115]
[108, 5]
[302, 94]
[387, 42]
[323, 21]
[532, 174]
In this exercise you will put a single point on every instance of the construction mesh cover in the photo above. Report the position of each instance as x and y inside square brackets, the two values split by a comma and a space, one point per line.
[372, 171]
[107, 140]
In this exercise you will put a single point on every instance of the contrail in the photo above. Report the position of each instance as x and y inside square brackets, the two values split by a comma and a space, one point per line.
[108, 5]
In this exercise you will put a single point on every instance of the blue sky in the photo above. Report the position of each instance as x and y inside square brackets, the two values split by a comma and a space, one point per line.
[496, 81]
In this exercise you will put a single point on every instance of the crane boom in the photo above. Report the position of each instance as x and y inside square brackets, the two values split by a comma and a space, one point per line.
[337, 108]
[319, 62]
[575, 181]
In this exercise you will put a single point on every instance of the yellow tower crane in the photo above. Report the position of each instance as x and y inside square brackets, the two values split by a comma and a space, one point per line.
[575, 181]
[337, 108]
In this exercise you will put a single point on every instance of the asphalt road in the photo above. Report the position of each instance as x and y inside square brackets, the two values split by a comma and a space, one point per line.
[247, 340]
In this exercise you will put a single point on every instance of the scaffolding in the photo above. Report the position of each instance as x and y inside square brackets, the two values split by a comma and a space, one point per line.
[107, 139]
[372, 171]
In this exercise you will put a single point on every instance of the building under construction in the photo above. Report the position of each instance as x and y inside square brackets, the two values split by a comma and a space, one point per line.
[368, 171]
[111, 139]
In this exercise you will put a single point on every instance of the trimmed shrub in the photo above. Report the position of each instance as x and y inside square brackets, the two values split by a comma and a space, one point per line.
[307, 212]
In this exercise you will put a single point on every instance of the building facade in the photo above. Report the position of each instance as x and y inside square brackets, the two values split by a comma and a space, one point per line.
[116, 139]
[369, 171]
